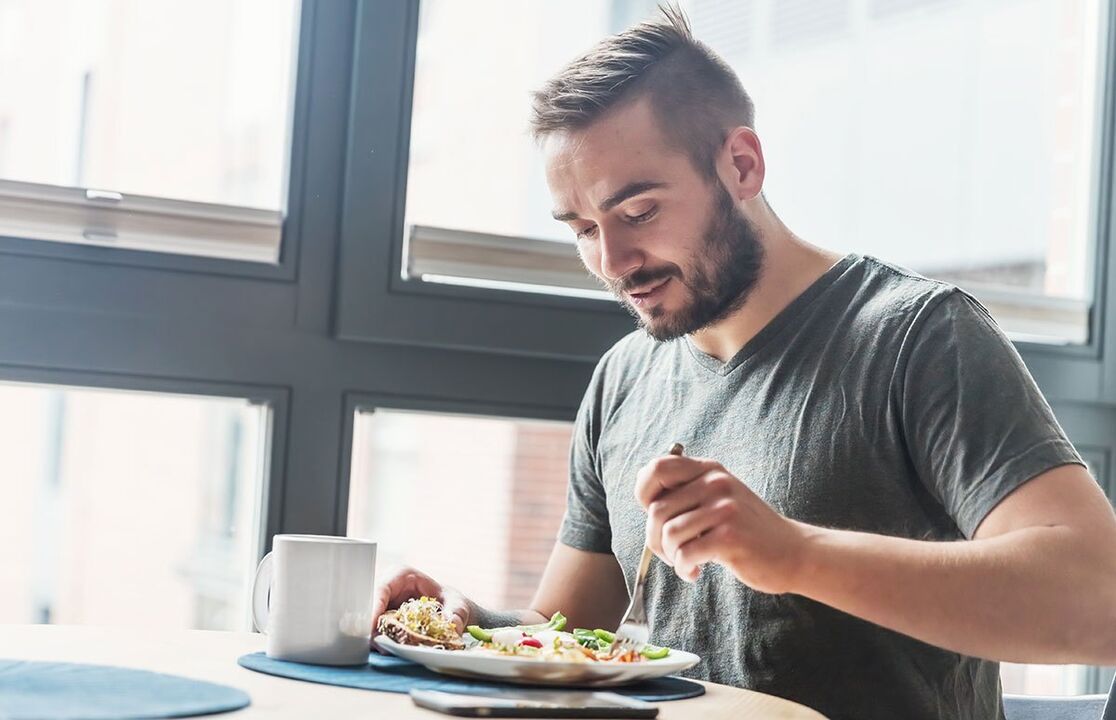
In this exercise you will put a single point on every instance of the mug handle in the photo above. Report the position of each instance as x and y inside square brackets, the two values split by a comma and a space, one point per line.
[261, 593]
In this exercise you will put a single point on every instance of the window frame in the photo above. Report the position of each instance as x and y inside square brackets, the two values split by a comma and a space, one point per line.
[88, 316]
[374, 302]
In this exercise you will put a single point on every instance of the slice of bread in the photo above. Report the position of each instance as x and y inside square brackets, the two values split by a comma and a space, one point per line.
[390, 625]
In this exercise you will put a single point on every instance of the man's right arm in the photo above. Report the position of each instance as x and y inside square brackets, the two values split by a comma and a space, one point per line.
[587, 587]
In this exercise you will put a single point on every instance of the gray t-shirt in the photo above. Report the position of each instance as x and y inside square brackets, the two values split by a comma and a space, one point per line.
[879, 401]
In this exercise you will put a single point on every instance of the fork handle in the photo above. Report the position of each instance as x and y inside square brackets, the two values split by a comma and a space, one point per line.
[644, 562]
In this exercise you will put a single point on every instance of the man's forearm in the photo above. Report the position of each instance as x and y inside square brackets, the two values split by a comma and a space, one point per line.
[1032, 595]
[503, 618]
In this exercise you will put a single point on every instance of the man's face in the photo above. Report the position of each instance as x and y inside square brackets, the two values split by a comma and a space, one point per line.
[670, 244]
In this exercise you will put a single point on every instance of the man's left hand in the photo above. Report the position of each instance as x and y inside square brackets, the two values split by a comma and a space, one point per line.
[699, 512]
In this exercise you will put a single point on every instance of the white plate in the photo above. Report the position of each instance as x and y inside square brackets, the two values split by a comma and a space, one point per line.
[508, 668]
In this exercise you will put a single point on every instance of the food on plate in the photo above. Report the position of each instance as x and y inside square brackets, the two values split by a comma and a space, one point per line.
[548, 641]
[557, 622]
[601, 641]
[421, 622]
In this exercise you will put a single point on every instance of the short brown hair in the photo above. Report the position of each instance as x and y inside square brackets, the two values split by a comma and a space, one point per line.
[694, 94]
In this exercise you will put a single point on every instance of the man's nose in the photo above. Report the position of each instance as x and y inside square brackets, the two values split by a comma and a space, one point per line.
[619, 255]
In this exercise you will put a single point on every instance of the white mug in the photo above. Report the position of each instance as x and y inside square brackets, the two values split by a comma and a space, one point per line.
[312, 597]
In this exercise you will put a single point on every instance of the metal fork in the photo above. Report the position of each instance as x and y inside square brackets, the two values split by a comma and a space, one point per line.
[633, 632]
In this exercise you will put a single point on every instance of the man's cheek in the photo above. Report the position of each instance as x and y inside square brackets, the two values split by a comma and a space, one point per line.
[591, 260]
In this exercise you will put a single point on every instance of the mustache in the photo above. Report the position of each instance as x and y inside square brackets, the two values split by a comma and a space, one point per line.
[644, 277]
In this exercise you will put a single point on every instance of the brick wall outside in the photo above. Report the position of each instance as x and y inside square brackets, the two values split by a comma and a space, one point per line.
[539, 477]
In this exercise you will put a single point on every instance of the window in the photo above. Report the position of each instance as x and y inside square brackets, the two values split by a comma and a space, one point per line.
[494, 487]
[959, 138]
[335, 328]
[495, 231]
[138, 509]
[1044, 679]
[152, 125]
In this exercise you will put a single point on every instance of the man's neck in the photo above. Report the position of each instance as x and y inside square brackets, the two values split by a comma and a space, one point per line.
[790, 266]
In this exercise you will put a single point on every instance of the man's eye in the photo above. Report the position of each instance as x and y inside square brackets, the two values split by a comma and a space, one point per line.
[587, 233]
[637, 219]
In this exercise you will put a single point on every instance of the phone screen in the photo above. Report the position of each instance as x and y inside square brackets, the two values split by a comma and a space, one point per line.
[536, 703]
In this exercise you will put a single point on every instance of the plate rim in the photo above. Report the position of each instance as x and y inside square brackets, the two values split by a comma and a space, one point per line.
[687, 656]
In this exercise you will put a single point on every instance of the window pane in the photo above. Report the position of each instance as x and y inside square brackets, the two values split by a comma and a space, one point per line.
[495, 486]
[1044, 679]
[506, 199]
[128, 508]
[163, 98]
[956, 137]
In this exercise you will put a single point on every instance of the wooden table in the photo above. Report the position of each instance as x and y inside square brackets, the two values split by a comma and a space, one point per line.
[208, 655]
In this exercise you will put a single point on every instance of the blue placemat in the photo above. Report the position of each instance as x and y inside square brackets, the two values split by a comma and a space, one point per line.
[69, 691]
[391, 674]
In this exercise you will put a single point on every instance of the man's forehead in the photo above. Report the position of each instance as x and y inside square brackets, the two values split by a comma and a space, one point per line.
[625, 131]
[581, 170]
[561, 150]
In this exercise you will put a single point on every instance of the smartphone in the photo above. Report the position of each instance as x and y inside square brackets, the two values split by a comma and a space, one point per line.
[536, 704]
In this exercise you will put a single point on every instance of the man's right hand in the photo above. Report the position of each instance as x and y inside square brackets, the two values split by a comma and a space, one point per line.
[406, 583]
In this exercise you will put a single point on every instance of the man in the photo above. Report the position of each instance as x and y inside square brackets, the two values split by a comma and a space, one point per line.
[874, 493]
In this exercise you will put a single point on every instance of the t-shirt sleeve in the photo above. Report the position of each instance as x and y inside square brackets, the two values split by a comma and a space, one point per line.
[975, 423]
[585, 525]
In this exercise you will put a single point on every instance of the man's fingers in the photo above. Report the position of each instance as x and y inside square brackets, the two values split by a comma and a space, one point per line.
[707, 489]
[386, 595]
[688, 526]
[380, 599]
[456, 608]
[692, 555]
[666, 507]
[666, 473]
[459, 618]
[423, 584]
[402, 585]
[407, 583]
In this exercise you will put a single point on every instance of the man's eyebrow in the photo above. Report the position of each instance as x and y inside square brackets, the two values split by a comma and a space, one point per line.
[628, 191]
[564, 216]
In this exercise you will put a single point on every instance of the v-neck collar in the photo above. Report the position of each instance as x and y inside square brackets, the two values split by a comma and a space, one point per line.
[795, 308]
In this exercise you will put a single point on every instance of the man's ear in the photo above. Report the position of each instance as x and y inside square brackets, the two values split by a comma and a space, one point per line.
[740, 163]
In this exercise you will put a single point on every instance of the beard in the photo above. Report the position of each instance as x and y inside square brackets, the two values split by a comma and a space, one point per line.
[720, 278]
